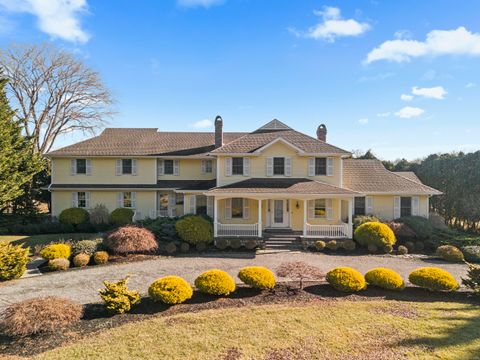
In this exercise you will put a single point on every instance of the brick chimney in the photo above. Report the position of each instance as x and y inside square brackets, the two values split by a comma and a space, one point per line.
[218, 131]
[322, 133]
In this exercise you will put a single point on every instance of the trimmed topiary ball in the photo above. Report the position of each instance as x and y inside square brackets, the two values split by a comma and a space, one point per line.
[450, 253]
[100, 257]
[410, 246]
[194, 230]
[320, 245]
[433, 279]
[385, 279]
[130, 240]
[171, 248]
[349, 245]
[56, 251]
[332, 245]
[58, 264]
[215, 282]
[372, 248]
[235, 244]
[122, 216]
[13, 261]
[402, 250]
[258, 277]
[387, 249]
[184, 247]
[170, 290]
[251, 244]
[73, 216]
[81, 260]
[346, 279]
[375, 233]
[221, 244]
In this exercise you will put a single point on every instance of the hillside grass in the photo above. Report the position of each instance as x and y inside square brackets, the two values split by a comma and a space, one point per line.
[33, 240]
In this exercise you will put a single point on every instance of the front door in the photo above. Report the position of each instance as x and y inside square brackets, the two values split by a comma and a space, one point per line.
[279, 213]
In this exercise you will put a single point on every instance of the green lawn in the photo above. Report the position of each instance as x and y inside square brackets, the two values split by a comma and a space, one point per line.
[32, 240]
[325, 330]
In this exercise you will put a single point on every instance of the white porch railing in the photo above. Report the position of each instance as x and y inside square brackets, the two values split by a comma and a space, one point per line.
[237, 230]
[329, 231]
[170, 212]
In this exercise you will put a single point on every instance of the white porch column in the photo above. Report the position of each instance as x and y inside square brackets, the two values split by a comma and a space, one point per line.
[259, 218]
[350, 222]
[215, 220]
[304, 217]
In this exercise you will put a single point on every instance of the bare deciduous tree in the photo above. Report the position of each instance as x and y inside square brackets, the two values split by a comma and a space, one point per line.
[55, 93]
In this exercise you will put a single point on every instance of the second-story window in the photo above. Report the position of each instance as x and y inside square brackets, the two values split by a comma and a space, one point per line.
[168, 167]
[278, 166]
[81, 166]
[237, 166]
[320, 166]
[126, 166]
[208, 166]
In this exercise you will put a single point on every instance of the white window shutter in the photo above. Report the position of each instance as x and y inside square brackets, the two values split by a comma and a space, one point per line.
[160, 167]
[193, 204]
[228, 209]
[88, 167]
[134, 199]
[329, 204]
[311, 209]
[120, 200]
[228, 166]
[210, 206]
[415, 206]
[118, 167]
[246, 208]
[288, 166]
[87, 199]
[311, 166]
[329, 166]
[246, 166]
[134, 167]
[74, 199]
[269, 166]
[176, 167]
[204, 166]
[369, 205]
[73, 167]
[396, 207]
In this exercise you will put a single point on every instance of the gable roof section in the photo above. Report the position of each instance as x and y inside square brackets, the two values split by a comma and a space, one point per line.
[145, 142]
[410, 175]
[371, 177]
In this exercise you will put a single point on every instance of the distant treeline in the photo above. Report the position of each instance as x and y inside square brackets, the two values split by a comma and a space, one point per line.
[457, 175]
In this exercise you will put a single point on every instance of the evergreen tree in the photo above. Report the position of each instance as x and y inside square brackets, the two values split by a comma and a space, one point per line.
[18, 162]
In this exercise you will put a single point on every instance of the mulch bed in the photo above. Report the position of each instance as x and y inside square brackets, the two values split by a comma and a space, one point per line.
[96, 319]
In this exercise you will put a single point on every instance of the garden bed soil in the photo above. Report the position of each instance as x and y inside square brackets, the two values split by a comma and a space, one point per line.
[96, 319]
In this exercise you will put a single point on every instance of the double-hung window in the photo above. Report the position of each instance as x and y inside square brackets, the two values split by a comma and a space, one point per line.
[126, 166]
[237, 208]
[359, 206]
[81, 199]
[237, 166]
[320, 209]
[81, 166]
[208, 166]
[405, 206]
[320, 166]
[168, 167]
[278, 166]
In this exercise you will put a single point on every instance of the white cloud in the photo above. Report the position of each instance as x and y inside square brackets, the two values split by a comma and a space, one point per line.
[470, 85]
[403, 34]
[196, 3]
[406, 97]
[57, 18]
[333, 26]
[203, 124]
[438, 42]
[363, 121]
[436, 92]
[385, 114]
[409, 112]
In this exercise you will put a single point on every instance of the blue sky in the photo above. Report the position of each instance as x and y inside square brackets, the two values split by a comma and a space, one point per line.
[401, 78]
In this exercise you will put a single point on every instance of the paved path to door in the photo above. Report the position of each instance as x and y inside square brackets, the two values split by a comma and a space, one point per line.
[82, 284]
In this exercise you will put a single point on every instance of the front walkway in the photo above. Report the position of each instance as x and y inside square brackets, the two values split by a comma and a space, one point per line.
[82, 285]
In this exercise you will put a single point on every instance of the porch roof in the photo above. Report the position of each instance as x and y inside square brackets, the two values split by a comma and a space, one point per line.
[281, 186]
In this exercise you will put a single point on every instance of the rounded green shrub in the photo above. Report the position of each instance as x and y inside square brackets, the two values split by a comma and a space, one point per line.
[171, 248]
[58, 264]
[258, 277]
[122, 216]
[73, 216]
[85, 246]
[332, 245]
[194, 230]
[184, 247]
[56, 251]
[251, 244]
[221, 244]
[410, 245]
[402, 250]
[450, 253]
[385, 278]
[372, 248]
[433, 279]
[387, 249]
[374, 233]
[346, 279]
[81, 260]
[215, 282]
[362, 219]
[349, 245]
[320, 245]
[13, 261]
[235, 244]
[170, 290]
[100, 257]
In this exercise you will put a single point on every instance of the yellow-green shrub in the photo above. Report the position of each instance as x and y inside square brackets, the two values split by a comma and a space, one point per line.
[81, 260]
[58, 264]
[56, 251]
[100, 257]
[194, 230]
[73, 216]
[346, 279]
[13, 261]
[450, 253]
[320, 245]
[215, 282]
[385, 278]
[374, 233]
[118, 299]
[121, 216]
[433, 279]
[170, 290]
[258, 277]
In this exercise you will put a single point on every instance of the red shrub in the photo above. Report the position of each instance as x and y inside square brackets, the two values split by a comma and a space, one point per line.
[130, 239]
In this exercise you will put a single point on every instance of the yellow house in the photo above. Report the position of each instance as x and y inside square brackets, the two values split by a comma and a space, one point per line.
[272, 178]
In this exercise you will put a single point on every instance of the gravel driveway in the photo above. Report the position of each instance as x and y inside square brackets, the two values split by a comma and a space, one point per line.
[82, 284]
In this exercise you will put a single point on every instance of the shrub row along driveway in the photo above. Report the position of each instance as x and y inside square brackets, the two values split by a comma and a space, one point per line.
[82, 284]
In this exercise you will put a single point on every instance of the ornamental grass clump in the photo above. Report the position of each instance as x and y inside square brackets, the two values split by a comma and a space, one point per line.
[258, 277]
[385, 278]
[81, 260]
[59, 264]
[130, 240]
[13, 261]
[170, 290]
[33, 316]
[433, 279]
[450, 253]
[299, 271]
[346, 279]
[402, 250]
[118, 299]
[100, 257]
[56, 251]
[332, 245]
[215, 282]
[375, 233]
[320, 245]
